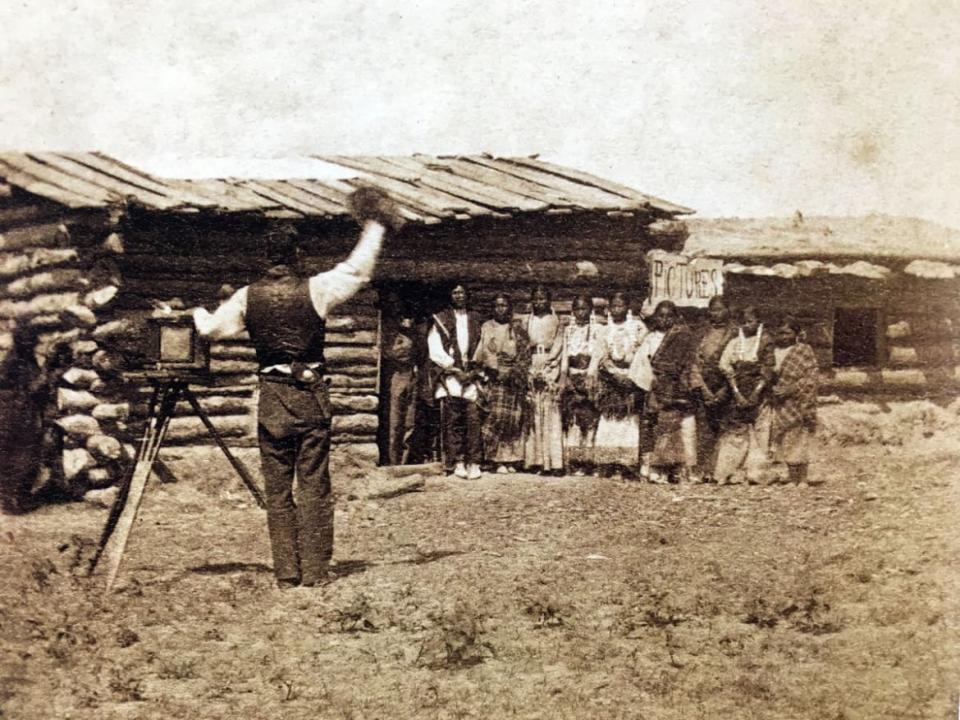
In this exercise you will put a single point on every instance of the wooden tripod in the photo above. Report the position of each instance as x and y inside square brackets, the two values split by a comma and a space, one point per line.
[168, 389]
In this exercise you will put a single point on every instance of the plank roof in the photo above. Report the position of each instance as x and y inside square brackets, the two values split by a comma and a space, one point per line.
[870, 237]
[429, 189]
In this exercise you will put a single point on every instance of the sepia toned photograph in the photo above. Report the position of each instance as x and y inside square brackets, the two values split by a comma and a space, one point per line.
[442, 360]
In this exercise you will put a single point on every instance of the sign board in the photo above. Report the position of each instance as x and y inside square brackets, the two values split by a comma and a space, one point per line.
[688, 282]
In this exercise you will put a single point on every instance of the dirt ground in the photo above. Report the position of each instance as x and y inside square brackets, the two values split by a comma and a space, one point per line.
[516, 596]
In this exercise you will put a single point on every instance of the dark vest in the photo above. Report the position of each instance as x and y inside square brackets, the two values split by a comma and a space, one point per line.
[446, 324]
[283, 324]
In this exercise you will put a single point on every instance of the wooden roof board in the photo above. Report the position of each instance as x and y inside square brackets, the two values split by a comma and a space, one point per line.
[107, 182]
[43, 189]
[171, 188]
[231, 196]
[585, 196]
[442, 177]
[571, 198]
[266, 189]
[331, 194]
[96, 196]
[400, 180]
[320, 205]
[399, 192]
[605, 185]
[334, 193]
[518, 186]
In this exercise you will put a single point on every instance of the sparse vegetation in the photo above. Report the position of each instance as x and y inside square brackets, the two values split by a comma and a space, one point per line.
[509, 597]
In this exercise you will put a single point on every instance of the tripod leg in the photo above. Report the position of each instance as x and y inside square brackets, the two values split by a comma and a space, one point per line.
[211, 428]
[138, 482]
[149, 432]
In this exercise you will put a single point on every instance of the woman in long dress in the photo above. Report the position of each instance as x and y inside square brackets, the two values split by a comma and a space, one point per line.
[578, 379]
[793, 401]
[617, 442]
[747, 364]
[668, 437]
[711, 392]
[504, 356]
[543, 446]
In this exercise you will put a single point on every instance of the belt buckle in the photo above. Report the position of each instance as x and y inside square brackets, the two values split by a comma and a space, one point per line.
[303, 374]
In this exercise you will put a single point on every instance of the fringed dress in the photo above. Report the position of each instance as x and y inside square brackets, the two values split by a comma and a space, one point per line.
[619, 400]
[578, 407]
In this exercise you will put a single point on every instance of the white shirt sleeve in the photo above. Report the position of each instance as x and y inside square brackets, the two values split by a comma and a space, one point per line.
[228, 319]
[437, 354]
[329, 289]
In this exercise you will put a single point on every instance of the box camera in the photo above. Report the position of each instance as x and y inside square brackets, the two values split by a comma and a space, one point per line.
[174, 345]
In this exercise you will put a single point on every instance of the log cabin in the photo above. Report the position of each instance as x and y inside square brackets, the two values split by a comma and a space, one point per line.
[878, 296]
[89, 245]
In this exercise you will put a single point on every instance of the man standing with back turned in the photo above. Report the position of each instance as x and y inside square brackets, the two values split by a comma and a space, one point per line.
[285, 312]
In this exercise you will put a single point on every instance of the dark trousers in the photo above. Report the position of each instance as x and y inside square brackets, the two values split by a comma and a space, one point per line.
[293, 428]
[402, 413]
[462, 441]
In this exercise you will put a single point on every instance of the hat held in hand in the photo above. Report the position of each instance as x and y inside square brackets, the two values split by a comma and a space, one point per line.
[370, 203]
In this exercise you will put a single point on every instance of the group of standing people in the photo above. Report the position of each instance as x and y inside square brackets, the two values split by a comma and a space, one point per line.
[614, 395]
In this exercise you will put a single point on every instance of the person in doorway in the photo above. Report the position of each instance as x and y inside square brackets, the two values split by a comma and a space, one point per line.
[619, 401]
[452, 343]
[578, 383]
[503, 353]
[709, 385]
[25, 391]
[403, 354]
[793, 401]
[747, 365]
[543, 445]
[285, 313]
[668, 439]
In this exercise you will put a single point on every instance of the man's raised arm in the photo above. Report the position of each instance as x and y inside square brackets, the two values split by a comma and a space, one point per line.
[376, 214]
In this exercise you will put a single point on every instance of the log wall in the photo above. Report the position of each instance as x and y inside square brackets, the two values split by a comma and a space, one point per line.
[59, 277]
[918, 334]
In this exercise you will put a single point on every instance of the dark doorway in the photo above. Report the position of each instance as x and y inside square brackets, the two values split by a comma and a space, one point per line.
[406, 391]
[855, 337]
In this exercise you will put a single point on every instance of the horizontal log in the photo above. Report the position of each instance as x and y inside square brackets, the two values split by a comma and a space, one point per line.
[15, 264]
[28, 214]
[111, 412]
[346, 404]
[572, 273]
[80, 378]
[38, 305]
[191, 428]
[75, 401]
[232, 367]
[340, 357]
[355, 424]
[339, 383]
[890, 378]
[51, 281]
[78, 426]
[359, 337]
[350, 323]
[233, 351]
[45, 235]
[346, 439]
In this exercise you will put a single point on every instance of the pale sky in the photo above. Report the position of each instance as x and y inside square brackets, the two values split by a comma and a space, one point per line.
[733, 108]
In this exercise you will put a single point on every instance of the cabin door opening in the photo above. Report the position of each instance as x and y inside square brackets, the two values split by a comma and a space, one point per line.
[409, 419]
[855, 337]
